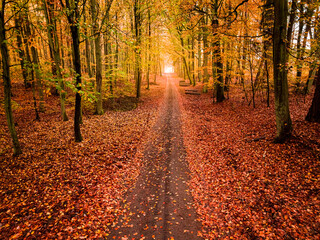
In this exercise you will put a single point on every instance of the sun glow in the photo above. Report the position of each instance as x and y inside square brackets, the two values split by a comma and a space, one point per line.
[168, 69]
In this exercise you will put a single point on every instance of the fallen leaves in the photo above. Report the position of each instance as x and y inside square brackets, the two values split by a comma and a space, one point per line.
[60, 189]
[244, 185]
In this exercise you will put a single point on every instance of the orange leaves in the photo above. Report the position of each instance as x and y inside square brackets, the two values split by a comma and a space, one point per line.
[58, 189]
[244, 185]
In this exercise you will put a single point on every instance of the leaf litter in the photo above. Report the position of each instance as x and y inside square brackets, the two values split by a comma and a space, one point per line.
[244, 185]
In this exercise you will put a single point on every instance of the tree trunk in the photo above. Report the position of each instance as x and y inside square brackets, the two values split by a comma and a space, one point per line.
[199, 58]
[18, 27]
[292, 17]
[97, 44]
[73, 19]
[62, 48]
[311, 76]
[185, 64]
[7, 84]
[298, 62]
[55, 46]
[116, 55]
[218, 63]
[314, 111]
[192, 62]
[149, 50]
[108, 61]
[137, 26]
[308, 15]
[35, 62]
[280, 58]
[87, 46]
[205, 56]
[77, 66]
[267, 31]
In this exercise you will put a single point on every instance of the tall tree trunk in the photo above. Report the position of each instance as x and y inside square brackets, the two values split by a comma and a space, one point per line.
[283, 120]
[62, 48]
[87, 46]
[199, 58]
[108, 58]
[267, 31]
[116, 55]
[206, 53]
[185, 63]
[300, 31]
[218, 63]
[308, 16]
[192, 63]
[292, 17]
[149, 49]
[7, 84]
[24, 70]
[35, 62]
[73, 19]
[36, 66]
[137, 26]
[97, 43]
[55, 48]
[77, 66]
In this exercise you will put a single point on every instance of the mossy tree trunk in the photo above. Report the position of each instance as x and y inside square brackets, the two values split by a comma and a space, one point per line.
[7, 82]
[218, 62]
[98, 55]
[280, 59]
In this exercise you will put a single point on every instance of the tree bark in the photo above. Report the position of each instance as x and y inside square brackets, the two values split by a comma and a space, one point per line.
[199, 57]
[55, 47]
[18, 27]
[149, 50]
[73, 19]
[292, 17]
[7, 84]
[280, 58]
[137, 26]
[314, 111]
[87, 46]
[218, 64]
[97, 44]
[206, 53]
[35, 62]
[192, 62]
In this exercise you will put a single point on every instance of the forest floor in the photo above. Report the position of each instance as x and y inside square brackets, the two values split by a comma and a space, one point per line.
[60, 189]
[242, 185]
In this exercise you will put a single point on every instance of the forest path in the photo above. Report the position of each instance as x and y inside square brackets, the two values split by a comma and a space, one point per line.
[160, 205]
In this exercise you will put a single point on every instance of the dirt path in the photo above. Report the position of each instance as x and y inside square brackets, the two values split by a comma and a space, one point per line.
[160, 206]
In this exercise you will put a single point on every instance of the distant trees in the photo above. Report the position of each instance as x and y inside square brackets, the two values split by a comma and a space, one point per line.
[54, 45]
[89, 51]
[256, 44]
[61, 44]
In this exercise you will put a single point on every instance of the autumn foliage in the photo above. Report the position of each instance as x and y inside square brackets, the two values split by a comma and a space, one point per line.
[83, 84]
